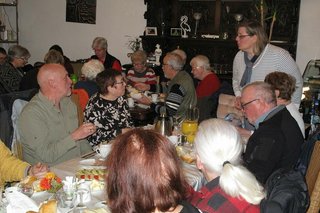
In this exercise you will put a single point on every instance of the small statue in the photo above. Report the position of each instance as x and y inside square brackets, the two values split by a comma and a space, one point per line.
[184, 26]
[158, 53]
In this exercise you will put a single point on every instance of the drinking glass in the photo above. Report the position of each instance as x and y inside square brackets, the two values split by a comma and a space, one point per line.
[190, 124]
[81, 192]
[25, 189]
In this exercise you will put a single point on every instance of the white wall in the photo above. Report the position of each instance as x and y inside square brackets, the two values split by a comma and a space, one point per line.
[309, 33]
[42, 23]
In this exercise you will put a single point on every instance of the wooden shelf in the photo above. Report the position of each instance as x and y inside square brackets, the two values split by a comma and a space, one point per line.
[8, 4]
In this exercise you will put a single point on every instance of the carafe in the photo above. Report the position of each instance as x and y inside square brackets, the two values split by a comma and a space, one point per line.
[164, 123]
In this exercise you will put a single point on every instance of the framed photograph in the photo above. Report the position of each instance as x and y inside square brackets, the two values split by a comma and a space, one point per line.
[175, 31]
[151, 31]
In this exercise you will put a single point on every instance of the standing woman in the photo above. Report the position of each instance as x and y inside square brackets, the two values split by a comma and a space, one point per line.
[231, 187]
[100, 47]
[10, 72]
[108, 110]
[257, 58]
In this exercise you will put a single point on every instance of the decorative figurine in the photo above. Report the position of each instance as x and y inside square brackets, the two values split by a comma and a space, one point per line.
[158, 53]
[184, 26]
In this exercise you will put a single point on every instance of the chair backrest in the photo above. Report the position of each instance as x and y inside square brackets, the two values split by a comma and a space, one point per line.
[226, 106]
[314, 206]
[17, 107]
[6, 101]
[83, 97]
[313, 168]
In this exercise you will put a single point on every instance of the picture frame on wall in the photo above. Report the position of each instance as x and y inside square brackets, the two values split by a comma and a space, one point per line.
[175, 31]
[151, 31]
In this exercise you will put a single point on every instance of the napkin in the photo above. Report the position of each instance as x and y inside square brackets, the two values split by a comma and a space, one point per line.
[20, 203]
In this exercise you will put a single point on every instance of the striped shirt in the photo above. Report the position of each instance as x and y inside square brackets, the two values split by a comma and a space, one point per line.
[272, 59]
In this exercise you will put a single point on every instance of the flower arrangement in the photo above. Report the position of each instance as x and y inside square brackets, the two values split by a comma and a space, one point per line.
[50, 183]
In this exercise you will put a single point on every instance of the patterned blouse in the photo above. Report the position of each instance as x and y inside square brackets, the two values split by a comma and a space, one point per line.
[108, 116]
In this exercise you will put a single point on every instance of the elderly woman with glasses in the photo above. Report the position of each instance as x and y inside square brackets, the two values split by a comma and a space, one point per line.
[257, 58]
[108, 109]
[11, 72]
[140, 76]
[100, 48]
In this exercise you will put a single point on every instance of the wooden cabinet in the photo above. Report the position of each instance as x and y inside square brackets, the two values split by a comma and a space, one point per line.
[218, 18]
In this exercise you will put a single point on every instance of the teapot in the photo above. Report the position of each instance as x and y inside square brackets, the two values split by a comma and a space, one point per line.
[164, 123]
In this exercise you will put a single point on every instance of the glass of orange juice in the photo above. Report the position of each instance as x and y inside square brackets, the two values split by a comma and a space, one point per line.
[189, 129]
[190, 124]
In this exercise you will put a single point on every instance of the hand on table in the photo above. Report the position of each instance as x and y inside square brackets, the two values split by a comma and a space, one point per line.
[142, 86]
[83, 131]
[39, 170]
[144, 100]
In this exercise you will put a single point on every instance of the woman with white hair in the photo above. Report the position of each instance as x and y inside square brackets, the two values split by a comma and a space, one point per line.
[231, 187]
[89, 71]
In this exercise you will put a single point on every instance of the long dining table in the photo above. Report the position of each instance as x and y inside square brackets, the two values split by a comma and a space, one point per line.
[69, 168]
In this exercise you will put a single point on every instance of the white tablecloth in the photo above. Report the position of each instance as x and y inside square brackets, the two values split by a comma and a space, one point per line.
[192, 174]
[69, 168]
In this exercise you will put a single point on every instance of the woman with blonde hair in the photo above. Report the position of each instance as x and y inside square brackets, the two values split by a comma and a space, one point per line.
[231, 187]
[140, 75]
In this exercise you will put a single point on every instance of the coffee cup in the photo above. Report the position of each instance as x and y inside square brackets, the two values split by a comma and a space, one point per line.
[130, 102]
[103, 150]
[154, 97]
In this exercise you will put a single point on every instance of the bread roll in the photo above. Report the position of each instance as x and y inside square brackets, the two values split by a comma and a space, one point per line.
[48, 207]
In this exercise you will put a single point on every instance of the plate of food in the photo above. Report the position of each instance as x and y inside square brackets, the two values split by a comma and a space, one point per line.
[91, 174]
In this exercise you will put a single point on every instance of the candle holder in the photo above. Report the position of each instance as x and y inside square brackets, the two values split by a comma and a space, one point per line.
[197, 17]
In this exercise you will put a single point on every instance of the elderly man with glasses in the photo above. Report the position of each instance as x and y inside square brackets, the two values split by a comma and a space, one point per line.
[277, 138]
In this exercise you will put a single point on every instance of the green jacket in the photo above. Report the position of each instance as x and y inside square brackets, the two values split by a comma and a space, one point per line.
[183, 79]
[45, 131]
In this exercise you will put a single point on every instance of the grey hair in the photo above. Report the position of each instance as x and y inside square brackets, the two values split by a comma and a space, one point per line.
[217, 142]
[263, 91]
[182, 54]
[100, 42]
[175, 61]
[17, 51]
[201, 61]
[91, 69]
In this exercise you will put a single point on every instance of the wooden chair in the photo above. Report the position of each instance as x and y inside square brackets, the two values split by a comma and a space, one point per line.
[83, 97]
[313, 179]
[75, 99]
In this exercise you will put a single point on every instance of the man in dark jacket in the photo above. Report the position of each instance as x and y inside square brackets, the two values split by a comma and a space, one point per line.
[277, 138]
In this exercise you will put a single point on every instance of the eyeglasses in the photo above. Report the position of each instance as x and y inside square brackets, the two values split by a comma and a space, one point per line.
[121, 82]
[138, 64]
[25, 60]
[243, 36]
[249, 102]
[197, 67]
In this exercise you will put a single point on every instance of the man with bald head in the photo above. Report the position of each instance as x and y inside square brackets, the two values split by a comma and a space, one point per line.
[277, 138]
[48, 124]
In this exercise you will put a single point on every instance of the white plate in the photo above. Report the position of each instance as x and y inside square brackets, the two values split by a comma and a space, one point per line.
[87, 162]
